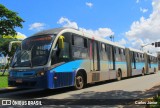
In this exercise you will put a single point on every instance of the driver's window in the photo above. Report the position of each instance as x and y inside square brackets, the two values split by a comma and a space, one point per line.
[62, 55]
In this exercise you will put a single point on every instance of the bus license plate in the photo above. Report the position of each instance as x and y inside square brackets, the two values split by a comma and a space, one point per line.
[19, 81]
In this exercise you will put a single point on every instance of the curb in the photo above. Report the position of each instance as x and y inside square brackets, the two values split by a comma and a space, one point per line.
[7, 88]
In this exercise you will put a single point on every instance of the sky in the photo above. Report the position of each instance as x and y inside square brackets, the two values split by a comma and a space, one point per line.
[132, 22]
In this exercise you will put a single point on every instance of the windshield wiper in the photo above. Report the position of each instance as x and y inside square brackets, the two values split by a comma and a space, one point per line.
[31, 55]
[18, 58]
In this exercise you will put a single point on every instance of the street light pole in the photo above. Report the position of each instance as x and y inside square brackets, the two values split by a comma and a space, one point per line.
[145, 45]
[112, 38]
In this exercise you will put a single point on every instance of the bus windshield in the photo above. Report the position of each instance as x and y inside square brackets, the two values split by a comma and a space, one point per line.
[33, 52]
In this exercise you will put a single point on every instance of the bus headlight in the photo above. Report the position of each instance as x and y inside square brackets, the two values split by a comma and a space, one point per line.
[40, 73]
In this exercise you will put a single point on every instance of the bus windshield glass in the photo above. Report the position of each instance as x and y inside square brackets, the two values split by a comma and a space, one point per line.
[33, 52]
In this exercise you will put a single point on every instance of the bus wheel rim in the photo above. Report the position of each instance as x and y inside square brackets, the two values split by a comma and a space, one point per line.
[79, 82]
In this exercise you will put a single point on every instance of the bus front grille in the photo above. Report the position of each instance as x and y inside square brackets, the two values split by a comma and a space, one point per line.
[63, 79]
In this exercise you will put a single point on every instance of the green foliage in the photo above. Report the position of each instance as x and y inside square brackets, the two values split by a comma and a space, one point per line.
[4, 45]
[8, 21]
[4, 80]
[156, 99]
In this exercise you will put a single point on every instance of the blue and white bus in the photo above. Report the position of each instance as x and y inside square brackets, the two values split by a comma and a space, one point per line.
[64, 57]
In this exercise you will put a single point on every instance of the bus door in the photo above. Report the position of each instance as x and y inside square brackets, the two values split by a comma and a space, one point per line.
[96, 57]
[95, 60]
[133, 61]
[149, 61]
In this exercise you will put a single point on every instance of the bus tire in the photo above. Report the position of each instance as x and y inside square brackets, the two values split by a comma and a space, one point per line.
[79, 81]
[143, 72]
[119, 75]
[154, 70]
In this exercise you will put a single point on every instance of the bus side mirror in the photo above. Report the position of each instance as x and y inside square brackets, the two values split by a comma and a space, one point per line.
[61, 42]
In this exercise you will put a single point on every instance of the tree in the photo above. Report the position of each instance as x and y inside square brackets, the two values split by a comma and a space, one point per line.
[8, 21]
[4, 45]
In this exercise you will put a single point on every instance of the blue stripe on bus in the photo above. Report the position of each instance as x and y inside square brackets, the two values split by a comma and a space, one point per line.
[154, 65]
[139, 65]
[74, 65]
[69, 66]
[65, 74]
[120, 63]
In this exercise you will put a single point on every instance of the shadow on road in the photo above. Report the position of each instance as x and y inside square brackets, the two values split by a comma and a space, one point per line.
[114, 97]
[114, 94]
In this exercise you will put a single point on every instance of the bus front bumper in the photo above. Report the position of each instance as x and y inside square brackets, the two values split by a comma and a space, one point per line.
[28, 82]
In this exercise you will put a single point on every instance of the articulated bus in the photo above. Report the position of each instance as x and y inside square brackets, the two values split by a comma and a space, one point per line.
[64, 57]
[152, 63]
[136, 63]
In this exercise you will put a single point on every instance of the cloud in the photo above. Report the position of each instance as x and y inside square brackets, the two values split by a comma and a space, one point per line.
[89, 4]
[143, 10]
[67, 23]
[137, 44]
[146, 29]
[21, 35]
[137, 1]
[122, 42]
[102, 32]
[37, 26]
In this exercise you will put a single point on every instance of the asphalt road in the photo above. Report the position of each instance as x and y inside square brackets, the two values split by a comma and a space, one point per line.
[130, 88]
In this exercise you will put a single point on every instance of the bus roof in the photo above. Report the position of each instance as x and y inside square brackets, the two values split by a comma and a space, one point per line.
[64, 29]
[50, 31]
[151, 54]
[135, 50]
[87, 35]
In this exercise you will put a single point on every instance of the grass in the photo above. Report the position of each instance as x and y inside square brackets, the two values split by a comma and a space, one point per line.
[156, 99]
[4, 80]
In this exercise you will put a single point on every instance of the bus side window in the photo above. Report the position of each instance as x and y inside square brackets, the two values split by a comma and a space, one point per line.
[80, 47]
[124, 52]
[119, 51]
[110, 52]
[103, 52]
[117, 54]
[123, 55]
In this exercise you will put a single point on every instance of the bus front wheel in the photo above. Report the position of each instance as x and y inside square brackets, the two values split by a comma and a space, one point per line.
[79, 81]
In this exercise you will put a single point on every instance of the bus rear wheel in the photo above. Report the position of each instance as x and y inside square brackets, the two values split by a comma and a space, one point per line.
[79, 82]
[119, 75]
[143, 72]
[154, 70]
